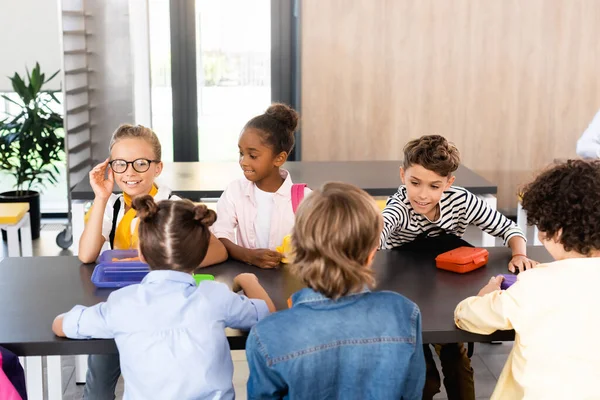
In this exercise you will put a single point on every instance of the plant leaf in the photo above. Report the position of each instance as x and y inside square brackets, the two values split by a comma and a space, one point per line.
[51, 77]
[19, 87]
[53, 97]
[5, 97]
[32, 142]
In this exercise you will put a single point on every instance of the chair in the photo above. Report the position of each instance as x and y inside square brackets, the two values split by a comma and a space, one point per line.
[522, 223]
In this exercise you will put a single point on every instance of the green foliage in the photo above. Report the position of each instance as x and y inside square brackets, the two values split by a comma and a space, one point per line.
[214, 66]
[32, 141]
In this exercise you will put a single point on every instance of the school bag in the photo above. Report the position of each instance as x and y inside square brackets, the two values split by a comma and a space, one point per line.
[12, 377]
[297, 195]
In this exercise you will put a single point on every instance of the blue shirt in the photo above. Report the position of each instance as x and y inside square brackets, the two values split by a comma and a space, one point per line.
[170, 334]
[362, 346]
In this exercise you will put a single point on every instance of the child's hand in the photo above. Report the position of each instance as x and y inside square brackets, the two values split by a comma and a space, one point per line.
[492, 286]
[102, 187]
[57, 326]
[521, 263]
[252, 289]
[265, 258]
[242, 280]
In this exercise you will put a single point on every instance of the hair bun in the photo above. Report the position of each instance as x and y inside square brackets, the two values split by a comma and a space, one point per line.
[145, 207]
[203, 215]
[284, 114]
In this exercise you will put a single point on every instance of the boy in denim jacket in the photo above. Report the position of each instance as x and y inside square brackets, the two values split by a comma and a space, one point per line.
[338, 339]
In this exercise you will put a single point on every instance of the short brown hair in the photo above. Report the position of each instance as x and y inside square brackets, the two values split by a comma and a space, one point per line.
[277, 125]
[565, 198]
[126, 131]
[337, 227]
[173, 233]
[432, 152]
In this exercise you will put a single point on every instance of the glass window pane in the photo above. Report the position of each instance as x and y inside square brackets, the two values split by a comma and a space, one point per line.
[233, 40]
[160, 67]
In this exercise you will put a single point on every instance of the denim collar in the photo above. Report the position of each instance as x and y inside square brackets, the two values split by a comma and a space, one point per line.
[161, 275]
[308, 295]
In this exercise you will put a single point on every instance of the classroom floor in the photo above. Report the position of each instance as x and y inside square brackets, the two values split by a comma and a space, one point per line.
[487, 360]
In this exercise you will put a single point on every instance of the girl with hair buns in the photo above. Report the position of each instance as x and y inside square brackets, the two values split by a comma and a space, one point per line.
[170, 332]
[256, 212]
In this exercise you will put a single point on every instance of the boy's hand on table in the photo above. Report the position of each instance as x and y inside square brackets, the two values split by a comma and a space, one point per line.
[265, 258]
[492, 286]
[521, 263]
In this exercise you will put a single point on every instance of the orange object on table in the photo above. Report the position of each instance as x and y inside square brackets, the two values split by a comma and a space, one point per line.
[462, 259]
[128, 259]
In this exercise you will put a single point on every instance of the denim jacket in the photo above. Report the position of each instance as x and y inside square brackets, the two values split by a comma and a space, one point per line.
[361, 346]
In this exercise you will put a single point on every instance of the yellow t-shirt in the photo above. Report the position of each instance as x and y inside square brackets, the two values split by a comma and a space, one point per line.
[127, 229]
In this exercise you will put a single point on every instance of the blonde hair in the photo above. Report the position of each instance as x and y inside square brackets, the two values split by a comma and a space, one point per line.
[126, 131]
[337, 227]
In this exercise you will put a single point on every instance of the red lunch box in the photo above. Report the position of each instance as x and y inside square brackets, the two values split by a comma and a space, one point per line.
[462, 259]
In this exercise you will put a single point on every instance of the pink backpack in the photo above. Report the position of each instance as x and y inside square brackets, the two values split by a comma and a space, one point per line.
[297, 195]
[7, 390]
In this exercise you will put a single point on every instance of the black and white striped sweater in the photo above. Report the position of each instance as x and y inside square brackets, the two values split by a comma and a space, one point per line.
[458, 209]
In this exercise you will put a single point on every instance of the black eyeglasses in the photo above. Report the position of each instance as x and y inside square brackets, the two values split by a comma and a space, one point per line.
[139, 165]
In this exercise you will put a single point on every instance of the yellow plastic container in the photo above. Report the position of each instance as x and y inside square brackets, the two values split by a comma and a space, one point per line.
[285, 248]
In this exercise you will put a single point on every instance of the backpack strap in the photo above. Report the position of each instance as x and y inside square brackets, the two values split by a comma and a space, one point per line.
[113, 229]
[297, 195]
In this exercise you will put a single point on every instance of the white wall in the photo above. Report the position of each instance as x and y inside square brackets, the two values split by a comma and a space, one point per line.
[29, 32]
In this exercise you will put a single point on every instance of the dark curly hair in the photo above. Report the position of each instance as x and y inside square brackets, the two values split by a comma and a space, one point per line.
[565, 198]
[277, 125]
[434, 153]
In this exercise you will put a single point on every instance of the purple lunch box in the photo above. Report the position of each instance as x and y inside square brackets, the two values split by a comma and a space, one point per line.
[107, 257]
[508, 281]
[116, 275]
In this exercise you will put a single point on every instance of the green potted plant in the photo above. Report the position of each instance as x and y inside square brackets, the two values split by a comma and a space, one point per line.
[31, 142]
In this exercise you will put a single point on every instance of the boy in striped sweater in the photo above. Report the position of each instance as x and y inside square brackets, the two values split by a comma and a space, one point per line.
[428, 212]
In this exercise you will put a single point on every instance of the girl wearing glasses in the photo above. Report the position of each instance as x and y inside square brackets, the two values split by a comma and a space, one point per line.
[134, 164]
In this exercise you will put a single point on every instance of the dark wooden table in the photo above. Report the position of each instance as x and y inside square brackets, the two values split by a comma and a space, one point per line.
[197, 180]
[34, 290]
